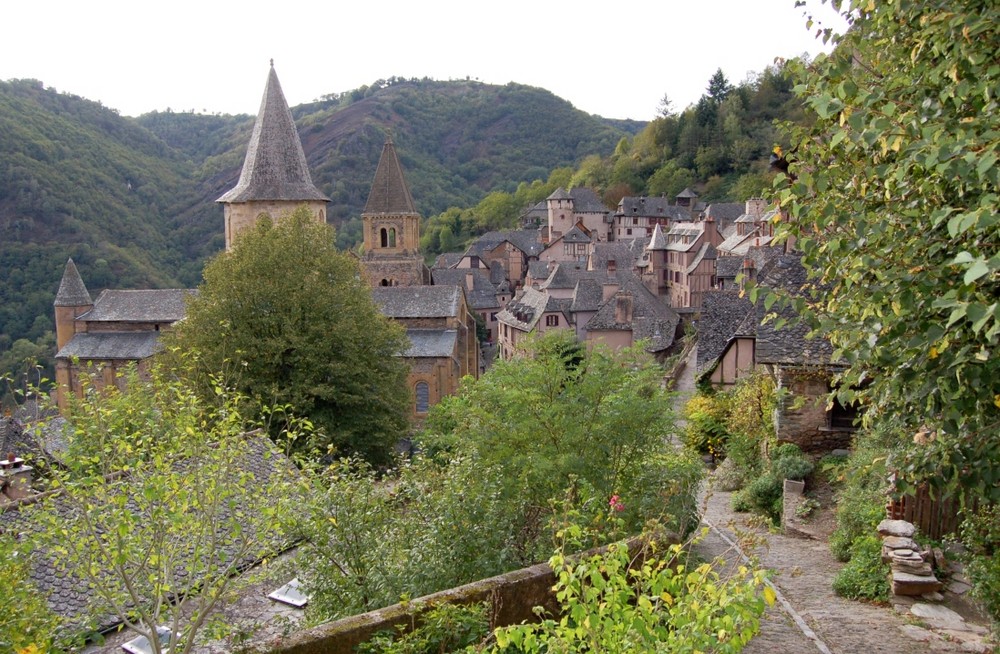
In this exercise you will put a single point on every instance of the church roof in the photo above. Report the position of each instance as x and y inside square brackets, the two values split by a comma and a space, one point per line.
[72, 292]
[275, 167]
[389, 193]
[418, 301]
[559, 194]
[154, 305]
[431, 343]
[110, 346]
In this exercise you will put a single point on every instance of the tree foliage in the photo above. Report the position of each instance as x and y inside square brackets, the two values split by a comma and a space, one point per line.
[159, 508]
[894, 203]
[286, 319]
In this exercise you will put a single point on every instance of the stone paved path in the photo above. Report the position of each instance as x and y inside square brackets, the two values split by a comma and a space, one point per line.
[809, 618]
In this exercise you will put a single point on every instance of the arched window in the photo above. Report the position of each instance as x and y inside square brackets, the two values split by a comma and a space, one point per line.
[422, 392]
[392, 237]
[384, 282]
[384, 238]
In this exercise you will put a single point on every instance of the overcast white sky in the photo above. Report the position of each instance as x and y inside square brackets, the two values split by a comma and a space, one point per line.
[615, 58]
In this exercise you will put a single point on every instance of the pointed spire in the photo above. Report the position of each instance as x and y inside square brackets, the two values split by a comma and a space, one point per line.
[72, 292]
[389, 193]
[275, 167]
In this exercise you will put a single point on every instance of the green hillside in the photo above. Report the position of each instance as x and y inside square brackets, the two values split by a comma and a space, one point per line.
[132, 200]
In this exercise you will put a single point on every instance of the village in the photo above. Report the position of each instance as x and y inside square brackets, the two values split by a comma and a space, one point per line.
[683, 305]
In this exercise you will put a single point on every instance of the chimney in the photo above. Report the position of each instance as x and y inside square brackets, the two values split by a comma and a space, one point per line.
[469, 281]
[623, 309]
[15, 478]
[609, 288]
[612, 266]
[749, 272]
[755, 207]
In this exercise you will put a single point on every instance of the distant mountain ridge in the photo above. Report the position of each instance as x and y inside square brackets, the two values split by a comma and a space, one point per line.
[132, 200]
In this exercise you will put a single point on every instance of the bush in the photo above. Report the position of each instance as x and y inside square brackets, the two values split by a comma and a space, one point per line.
[795, 466]
[865, 576]
[446, 628]
[981, 536]
[765, 497]
[861, 501]
[706, 426]
[740, 501]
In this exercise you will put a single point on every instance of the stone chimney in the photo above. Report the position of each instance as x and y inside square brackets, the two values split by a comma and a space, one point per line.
[623, 308]
[755, 207]
[749, 271]
[470, 281]
[15, 478]
[609, 288]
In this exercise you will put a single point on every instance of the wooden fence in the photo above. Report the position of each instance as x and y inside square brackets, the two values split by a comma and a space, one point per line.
[933, 514]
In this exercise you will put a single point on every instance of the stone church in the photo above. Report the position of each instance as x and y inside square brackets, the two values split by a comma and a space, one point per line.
[120, 327]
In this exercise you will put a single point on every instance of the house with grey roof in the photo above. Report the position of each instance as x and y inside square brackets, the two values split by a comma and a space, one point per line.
[275, 178]
[577, 205]
[631, 313]
[509, 251]
[97, 339]
[736, 336]
[753, 228]
[486, 297]
[682, 261]
[574, 245]
[636, 216]
[531, 311]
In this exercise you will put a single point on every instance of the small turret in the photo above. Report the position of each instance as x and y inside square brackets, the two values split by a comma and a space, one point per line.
[72, 301]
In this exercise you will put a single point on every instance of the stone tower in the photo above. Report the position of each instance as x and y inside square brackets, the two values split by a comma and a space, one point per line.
[275, 179]
[72, 301]
[392, 228]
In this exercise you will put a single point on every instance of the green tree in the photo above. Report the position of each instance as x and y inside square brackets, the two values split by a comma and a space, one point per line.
[161, 505]
[718, 86]
[287, 319]
[893, 201]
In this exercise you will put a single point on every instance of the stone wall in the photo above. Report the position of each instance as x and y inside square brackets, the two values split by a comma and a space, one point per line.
[801, 417]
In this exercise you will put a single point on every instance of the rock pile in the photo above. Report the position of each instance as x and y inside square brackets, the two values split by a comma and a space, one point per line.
[912, 566]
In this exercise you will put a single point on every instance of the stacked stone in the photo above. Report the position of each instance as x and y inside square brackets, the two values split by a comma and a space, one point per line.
[912, 569]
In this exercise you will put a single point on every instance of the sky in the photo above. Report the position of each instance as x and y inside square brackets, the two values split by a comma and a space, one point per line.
[615, 59]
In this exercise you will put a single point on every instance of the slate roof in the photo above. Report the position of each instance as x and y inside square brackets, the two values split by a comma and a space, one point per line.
[14, 439]
[538, 270]
[684, 230]
[67, 595]
[725, 211]
[789, 344]
[156, 305]
[524, 311]
[431, 343]
[722, 314]
[275, 167]
[651, 318]
[575, 235]
[687, 193]
[72, 291]
[125, 346]
[657, 207]
[418, 301]
[525, 240]
[566, 274]
[658, 241]
[390, 193]
[706, 251]
[585, 200]
[559, 194]
[587, 296]
[624, 252]
[483, 294]
[727, 267]
[447, 260]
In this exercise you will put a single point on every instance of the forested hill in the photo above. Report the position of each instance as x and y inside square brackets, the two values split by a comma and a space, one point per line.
[132, 200]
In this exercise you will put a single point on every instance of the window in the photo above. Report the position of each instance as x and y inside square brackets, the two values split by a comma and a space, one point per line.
[384, 237]
[422, 392]
[551, 321]
[840, 416]
[629, 231]
[392, 237]
[493, 316]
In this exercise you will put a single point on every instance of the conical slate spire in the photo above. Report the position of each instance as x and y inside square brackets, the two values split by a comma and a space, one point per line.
[72, 292]
[389, 193]
[275, 167]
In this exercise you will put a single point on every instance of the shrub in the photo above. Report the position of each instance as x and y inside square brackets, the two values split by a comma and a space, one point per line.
[446, 628]
[981, 536]
[861, 501]
[610, 603]
[794, 466]
[706, 426]
[765, 496]
[740, 501]
[865, 576]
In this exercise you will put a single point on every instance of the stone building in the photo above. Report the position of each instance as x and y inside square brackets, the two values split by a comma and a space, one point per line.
[577, 205]
[275, 178]
[392, 228]
[442, 333]
[101, 337]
